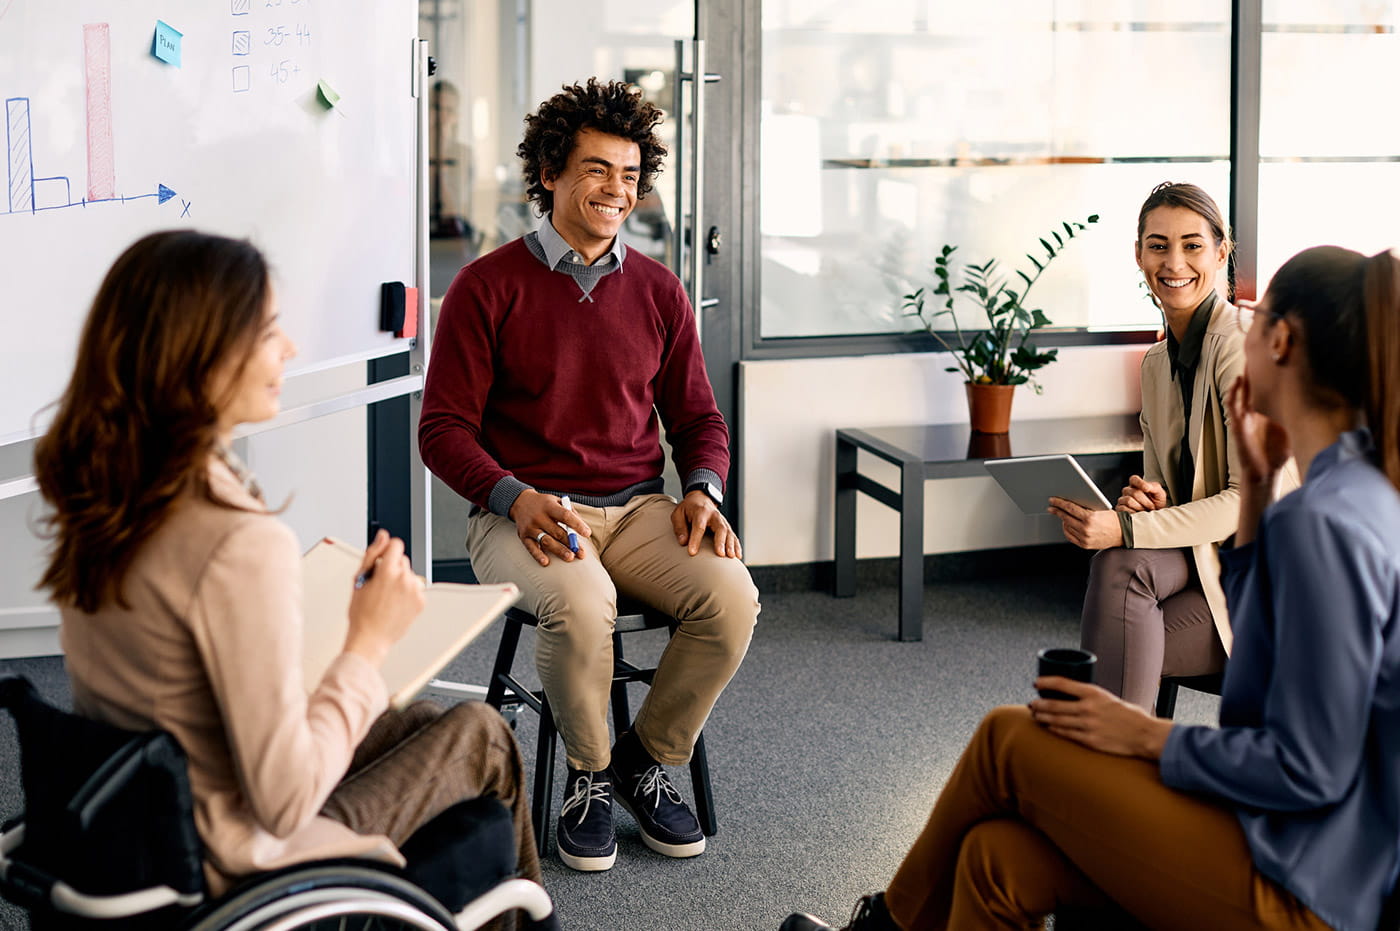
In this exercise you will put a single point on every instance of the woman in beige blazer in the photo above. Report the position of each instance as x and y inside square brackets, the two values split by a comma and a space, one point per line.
[180, 590]
[1154, 605]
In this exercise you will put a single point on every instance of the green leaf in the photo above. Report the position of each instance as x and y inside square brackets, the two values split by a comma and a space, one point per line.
[1038, 319]
[1093, 218]
[1047, 247]
[1024, 277]
[1058, 240]
[1038, 266]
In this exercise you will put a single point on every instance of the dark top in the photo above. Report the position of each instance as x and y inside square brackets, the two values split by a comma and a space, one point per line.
[1184, 358]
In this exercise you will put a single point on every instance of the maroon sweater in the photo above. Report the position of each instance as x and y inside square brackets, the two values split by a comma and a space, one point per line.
[527, 381]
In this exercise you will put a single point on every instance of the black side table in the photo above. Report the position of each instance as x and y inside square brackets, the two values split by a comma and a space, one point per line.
[954, 451]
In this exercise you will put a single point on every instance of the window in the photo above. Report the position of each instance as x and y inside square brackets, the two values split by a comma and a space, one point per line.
[1329, 142]
[889, 128]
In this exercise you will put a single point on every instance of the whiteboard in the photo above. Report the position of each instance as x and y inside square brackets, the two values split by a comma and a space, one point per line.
[106, 142]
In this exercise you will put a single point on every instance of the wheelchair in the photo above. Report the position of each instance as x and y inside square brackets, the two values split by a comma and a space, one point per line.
[107, 842]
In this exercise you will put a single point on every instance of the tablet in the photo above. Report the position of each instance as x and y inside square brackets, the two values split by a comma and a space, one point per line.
[1032, 480]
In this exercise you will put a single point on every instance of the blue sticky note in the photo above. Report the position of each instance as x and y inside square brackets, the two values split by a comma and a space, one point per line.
[166, 45]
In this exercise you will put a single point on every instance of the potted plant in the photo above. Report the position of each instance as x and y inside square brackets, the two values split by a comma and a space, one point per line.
[997, 358]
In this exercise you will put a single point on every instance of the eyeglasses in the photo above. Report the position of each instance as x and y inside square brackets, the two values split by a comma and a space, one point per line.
[1244, 317]
[1245, 312]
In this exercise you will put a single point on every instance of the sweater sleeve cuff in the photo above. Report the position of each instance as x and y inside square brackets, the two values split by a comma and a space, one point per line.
[1125, 521]
[696, 476]
[504, 493]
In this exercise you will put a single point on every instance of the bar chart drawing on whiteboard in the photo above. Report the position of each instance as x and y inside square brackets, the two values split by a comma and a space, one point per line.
[28, 191]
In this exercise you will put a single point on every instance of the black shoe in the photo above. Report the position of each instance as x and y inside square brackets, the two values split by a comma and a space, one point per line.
[668, 825]
[585, 832]
[869, 914]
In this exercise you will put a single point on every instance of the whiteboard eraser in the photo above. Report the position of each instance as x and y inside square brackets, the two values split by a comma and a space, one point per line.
[391, 306]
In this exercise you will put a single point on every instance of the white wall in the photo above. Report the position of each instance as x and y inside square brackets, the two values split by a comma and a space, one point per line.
[789, 411]
[320, 463]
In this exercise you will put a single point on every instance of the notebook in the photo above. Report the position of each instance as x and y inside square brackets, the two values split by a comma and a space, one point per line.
[453, 616]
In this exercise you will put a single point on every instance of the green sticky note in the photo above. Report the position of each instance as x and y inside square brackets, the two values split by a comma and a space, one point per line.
[328, 96]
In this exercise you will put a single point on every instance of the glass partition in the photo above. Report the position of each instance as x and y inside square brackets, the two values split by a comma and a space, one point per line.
[496, 62]
[890, 127]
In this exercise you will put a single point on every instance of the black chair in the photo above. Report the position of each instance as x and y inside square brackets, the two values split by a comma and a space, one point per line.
[505, 691]
[107, 842]
[1166, 692]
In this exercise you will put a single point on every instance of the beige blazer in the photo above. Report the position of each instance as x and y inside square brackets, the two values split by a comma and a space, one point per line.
[210, 650]
[1205, 515]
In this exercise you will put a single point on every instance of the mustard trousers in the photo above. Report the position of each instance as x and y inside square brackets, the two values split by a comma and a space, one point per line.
[1030, 822]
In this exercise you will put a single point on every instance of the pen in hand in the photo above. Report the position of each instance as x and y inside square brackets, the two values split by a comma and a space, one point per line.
[364, 577]
[573, 534]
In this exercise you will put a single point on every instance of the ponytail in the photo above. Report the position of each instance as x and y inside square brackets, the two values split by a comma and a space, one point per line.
[1381, 297]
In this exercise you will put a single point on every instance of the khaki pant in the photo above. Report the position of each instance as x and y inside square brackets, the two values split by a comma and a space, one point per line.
[416, 763]
[1030, 822]
[1146, 617]
[633, 550]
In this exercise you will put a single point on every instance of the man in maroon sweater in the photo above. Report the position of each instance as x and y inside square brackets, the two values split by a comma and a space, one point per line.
[553, 358]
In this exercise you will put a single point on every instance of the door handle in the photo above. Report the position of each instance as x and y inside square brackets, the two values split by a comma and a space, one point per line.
[692, 275]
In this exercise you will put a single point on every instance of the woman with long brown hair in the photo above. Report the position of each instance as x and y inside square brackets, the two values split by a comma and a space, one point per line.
[1286, 815]
[179, 588]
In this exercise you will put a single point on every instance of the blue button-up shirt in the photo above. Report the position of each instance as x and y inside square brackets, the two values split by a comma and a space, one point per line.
[1308, 748]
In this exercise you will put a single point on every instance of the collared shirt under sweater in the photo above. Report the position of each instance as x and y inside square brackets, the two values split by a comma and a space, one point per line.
[532, 386]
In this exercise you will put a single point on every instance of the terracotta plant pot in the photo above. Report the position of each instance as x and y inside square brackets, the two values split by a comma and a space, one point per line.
[990, 407]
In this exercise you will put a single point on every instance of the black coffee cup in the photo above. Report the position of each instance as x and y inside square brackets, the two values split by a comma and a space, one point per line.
[1068, 662]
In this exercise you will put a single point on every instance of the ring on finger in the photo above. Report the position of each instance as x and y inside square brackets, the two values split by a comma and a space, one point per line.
[540, 536]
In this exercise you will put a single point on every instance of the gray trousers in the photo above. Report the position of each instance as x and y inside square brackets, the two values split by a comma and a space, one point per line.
[1146, 617]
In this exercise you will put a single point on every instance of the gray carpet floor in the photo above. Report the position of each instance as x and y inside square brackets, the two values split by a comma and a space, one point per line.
[826, 752]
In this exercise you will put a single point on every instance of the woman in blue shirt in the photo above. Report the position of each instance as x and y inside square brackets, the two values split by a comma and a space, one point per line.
[1288, 814]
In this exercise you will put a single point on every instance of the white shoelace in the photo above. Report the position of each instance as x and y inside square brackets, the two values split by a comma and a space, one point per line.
[652, 783]
[585, 793]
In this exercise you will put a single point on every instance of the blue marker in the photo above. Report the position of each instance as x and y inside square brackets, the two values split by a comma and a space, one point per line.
[573, 535]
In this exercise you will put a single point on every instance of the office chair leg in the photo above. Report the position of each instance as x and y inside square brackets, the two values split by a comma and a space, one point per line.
[505, 657]
[621, 709]
[1166, 699]
[700, 783]
[543, 796]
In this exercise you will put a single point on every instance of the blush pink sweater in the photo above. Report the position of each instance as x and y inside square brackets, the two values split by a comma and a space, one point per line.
[210, 650]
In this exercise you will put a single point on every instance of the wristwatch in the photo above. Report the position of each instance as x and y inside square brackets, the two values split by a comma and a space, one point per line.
[709, 489]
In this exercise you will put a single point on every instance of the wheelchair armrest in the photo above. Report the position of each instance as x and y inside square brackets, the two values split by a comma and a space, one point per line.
[115, 773]
[511, 894]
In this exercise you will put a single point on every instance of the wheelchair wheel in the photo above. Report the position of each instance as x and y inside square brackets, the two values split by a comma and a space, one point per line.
[328, 898]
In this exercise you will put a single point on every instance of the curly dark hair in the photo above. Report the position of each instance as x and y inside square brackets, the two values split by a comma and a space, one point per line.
[616, 108]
